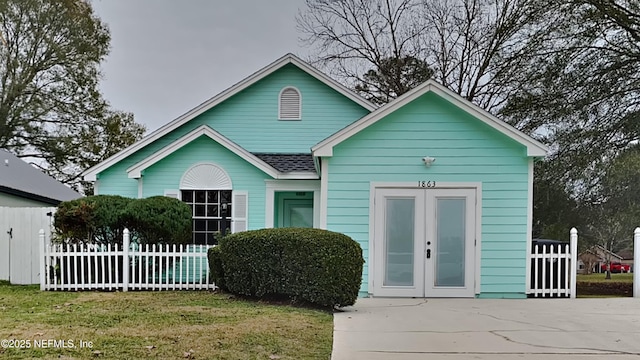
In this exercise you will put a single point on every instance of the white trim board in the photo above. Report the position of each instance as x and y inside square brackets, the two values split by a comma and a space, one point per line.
[91, 173]
[324, 192]
[534, 147]
[135, 171]
[290, 185]
[529, 223]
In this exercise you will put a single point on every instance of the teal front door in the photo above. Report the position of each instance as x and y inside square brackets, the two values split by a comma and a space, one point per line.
[297, 213]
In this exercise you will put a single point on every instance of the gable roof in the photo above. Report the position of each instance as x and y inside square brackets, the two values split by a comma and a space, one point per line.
[534, 147]
[287, 163]
[135, 171]
[21, 179]
[626, 254]
[90, 174]
[600, 251]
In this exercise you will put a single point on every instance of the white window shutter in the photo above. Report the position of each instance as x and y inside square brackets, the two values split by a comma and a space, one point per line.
[240, 211]
[172, 193]
[290, 104]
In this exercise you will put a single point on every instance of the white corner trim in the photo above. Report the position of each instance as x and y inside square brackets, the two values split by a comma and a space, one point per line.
[91, 173]
[324, 192]
[140, 189]
[269, 207]
[135, 171]
[534, 147]
[529, 224]
[478, 262]
[372, 232]
[316, 208]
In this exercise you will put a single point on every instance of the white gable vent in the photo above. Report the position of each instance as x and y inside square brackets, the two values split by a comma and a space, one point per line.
[289, 104]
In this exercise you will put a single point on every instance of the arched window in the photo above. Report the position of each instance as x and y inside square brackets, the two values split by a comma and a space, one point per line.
[289, 104]
[206, 188]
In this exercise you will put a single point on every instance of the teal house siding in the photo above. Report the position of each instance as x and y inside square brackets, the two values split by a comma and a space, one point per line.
[467, 150]
[114, 180]
[166, 174]
[250, 119]
[340, 149]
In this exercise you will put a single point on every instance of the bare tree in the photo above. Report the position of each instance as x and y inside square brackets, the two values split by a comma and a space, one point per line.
[353, 37]
[51, 109]
[471, 46]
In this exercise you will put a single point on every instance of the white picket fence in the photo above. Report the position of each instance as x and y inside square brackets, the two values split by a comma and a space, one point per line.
[125, 267]
[554, 268]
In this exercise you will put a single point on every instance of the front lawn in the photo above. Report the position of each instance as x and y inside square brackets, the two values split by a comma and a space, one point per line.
[179, 324]
[620, 285]
[623, 277]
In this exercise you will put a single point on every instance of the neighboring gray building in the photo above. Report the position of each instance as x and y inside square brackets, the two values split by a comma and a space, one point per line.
[22, 185]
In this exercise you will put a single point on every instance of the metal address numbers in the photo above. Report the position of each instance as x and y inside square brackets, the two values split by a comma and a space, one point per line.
[426, 184]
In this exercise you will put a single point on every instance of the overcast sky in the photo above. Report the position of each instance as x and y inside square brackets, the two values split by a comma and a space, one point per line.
[167, 56]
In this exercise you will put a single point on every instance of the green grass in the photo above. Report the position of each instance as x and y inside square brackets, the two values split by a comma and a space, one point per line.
[624, 277]
[596, 285]
[160, 325]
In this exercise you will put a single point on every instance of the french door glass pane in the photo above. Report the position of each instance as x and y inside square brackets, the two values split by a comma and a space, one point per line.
[450, 242]
[399, 242]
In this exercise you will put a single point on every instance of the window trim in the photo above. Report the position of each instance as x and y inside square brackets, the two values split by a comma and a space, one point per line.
[228, 219]
[299, 117]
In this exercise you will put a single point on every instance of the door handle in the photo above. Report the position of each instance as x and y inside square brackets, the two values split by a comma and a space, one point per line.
[428, 253]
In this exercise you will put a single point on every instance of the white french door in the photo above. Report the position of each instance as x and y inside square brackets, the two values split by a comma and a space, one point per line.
[424, 242]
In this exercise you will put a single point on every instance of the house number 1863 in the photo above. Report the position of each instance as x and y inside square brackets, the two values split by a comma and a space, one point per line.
[426, 184]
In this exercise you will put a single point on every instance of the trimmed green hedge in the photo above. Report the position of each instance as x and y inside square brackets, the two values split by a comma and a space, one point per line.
[99, 217]
[612, 288]
[311, 265]
[159, 220]
[102, 219]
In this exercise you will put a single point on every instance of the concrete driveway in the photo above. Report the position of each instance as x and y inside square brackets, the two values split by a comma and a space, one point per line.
[452, 329]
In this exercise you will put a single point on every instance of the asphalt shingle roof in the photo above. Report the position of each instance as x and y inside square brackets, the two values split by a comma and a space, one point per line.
[289, 162]
[17, 175]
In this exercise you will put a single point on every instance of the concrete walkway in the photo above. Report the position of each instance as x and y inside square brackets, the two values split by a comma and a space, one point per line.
[455, 329]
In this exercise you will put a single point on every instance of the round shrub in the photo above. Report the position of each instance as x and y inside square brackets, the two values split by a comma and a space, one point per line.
[99, 218]
[311, 265]
[159, 220]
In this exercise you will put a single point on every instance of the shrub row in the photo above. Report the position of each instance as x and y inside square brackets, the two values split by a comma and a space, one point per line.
[308, 265]
[614, 288]
[102, 219]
